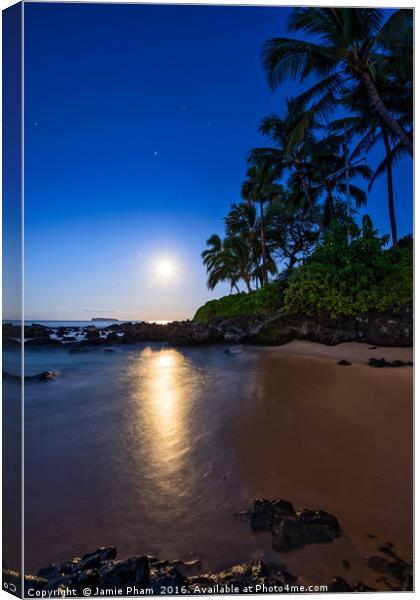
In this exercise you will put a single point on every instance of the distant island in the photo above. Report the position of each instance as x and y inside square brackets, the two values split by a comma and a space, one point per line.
[105, 319]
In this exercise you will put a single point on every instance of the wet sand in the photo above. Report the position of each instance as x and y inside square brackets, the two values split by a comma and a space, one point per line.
[337, 438]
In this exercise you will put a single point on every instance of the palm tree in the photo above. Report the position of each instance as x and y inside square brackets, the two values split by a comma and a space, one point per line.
[228, 260]
[315, 163]
[368, 129]
[351, 46]
[292, 154]
[260, 188]
[333, 176]
[242, 220]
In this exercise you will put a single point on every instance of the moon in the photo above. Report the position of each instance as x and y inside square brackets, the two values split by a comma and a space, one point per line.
[165, 269]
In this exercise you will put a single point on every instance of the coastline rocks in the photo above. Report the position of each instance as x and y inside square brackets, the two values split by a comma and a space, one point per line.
[292, 529]
[391, 328]
[100, 569]
[380, 363]
[191, 333]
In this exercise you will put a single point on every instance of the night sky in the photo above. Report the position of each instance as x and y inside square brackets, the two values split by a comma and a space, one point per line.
[138, 122]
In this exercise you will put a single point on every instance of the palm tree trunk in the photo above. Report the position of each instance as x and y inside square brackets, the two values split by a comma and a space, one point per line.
[330, 204]
[263, 248]
[384, 113]
[390, 188]
[308, 196]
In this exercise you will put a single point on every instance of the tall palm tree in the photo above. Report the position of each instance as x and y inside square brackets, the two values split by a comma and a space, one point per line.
[368, 129]
[333, 177]
[260, 187]
[350, 46]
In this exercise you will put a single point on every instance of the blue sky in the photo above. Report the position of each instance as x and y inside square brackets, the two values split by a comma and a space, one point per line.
[138, 121]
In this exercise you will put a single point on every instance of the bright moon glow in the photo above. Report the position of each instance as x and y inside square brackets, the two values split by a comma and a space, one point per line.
[165, 269]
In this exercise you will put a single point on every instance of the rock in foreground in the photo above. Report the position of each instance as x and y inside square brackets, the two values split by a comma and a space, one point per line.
[291, 529]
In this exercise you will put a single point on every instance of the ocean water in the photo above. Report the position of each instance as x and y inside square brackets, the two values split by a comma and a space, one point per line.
[75, 324]
[155, 450]
[132, 448]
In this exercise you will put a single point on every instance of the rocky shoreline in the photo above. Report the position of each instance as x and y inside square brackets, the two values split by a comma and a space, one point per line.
[101, 571]
[392, 328]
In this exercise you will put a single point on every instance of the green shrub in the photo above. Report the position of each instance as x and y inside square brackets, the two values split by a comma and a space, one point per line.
[342, 279]
[267, 300]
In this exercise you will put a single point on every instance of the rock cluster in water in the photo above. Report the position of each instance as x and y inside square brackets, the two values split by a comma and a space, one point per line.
[291, 529]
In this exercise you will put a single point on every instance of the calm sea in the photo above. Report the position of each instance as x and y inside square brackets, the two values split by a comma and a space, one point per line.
[132, 448]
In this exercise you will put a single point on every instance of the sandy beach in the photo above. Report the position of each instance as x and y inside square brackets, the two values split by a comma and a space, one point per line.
[337, 438]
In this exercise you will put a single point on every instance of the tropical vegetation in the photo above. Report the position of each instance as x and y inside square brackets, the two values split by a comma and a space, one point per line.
[292, 240]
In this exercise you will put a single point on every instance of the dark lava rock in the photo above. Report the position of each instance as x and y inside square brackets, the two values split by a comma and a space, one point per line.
[292, 529]
[338, 584]
[103, 553]
[113, 337]
[87, 579]
[91, 333]
[396, 568]
[380, 363]
[150, 572]
[163, 576]
[196, 334]
[44, 376]
[263, 513]
[123, 573]
[70, 566]
[288, 534]
[273, 332]
[243, 575]
[49, 572]
[36, 331]
[344, 363]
